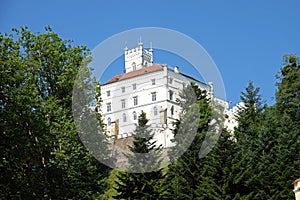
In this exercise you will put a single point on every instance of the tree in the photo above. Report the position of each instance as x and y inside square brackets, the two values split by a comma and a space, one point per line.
[42, 156]
[216, 173]
[288, 92]
[143, 177]
[247, 159]
[183, 175]
[287, 121]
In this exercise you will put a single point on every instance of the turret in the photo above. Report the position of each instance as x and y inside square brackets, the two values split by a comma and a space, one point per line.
[137, 58]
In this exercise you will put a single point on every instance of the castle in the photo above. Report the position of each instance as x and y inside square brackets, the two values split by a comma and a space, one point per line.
[152, 88]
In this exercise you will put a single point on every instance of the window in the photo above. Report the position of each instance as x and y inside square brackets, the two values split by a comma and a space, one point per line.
[153, 94]
[124, 117]
[133, 66]
[123, 103]
[108, 93]
[135, 101]
[108, 121]
[155, 110]
[170, 80]
[108, 107]
[172, 110]
[153, 81]
[171, 95]
[134, 86]
[134, 116]
[123, 89]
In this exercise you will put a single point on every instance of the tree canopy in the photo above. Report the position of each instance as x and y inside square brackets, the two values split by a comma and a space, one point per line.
[42, 156]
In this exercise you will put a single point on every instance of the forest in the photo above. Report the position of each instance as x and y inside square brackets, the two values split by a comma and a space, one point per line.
[43, 157]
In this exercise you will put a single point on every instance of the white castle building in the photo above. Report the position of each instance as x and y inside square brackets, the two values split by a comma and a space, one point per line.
[232, 116]
[148, 87]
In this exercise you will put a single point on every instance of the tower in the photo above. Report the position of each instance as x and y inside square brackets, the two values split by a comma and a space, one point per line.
[137, 58]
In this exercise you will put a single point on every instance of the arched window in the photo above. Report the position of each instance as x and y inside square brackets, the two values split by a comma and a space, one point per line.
[172, 110]
[134, 116]
[108, 121]
[155, 110]
[124, 117]
[133, 66]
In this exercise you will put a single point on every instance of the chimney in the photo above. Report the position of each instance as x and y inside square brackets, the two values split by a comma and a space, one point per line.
[297, 189]
[176, 69]
[165, 68]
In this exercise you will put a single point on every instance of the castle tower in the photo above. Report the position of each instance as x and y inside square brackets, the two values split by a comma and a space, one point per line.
[137, 58]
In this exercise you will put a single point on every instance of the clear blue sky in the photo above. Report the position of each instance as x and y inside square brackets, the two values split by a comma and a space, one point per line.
[246, 39]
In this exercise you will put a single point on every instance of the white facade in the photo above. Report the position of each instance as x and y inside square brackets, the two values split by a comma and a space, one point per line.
[137, 58]
[232, 116]
[149, 88]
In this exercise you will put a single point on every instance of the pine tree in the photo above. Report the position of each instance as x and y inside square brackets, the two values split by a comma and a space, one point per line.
[248, 158]
[287, 117]
[288, 92]
[183, 175]
[216, 176]
[143, 176]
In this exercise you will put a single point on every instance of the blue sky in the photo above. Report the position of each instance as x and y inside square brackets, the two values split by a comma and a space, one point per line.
[246, 39]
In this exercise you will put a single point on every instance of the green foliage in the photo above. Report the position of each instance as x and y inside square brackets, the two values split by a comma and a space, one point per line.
[142, 180]
[288, 93]
[184, 173]
[216, 173]
[268, 140]
[246, 162]
[42, 156]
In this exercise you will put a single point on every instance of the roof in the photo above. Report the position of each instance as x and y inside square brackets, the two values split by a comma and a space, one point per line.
[150, 69]
[135, 73]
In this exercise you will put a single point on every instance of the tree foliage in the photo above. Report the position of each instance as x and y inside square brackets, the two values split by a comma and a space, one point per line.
[42, 156]
[184, 174]
[143, 176]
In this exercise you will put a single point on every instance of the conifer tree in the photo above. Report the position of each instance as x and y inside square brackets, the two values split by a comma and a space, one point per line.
[286, 161]
[216, 175]
[184, 173]
[143, 176]
[246, 163]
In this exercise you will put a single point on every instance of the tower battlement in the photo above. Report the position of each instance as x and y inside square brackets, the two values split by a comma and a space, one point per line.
[137, 58]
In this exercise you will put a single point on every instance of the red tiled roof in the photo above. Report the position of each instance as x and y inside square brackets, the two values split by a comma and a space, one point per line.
[138, 72]
[153, 68]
